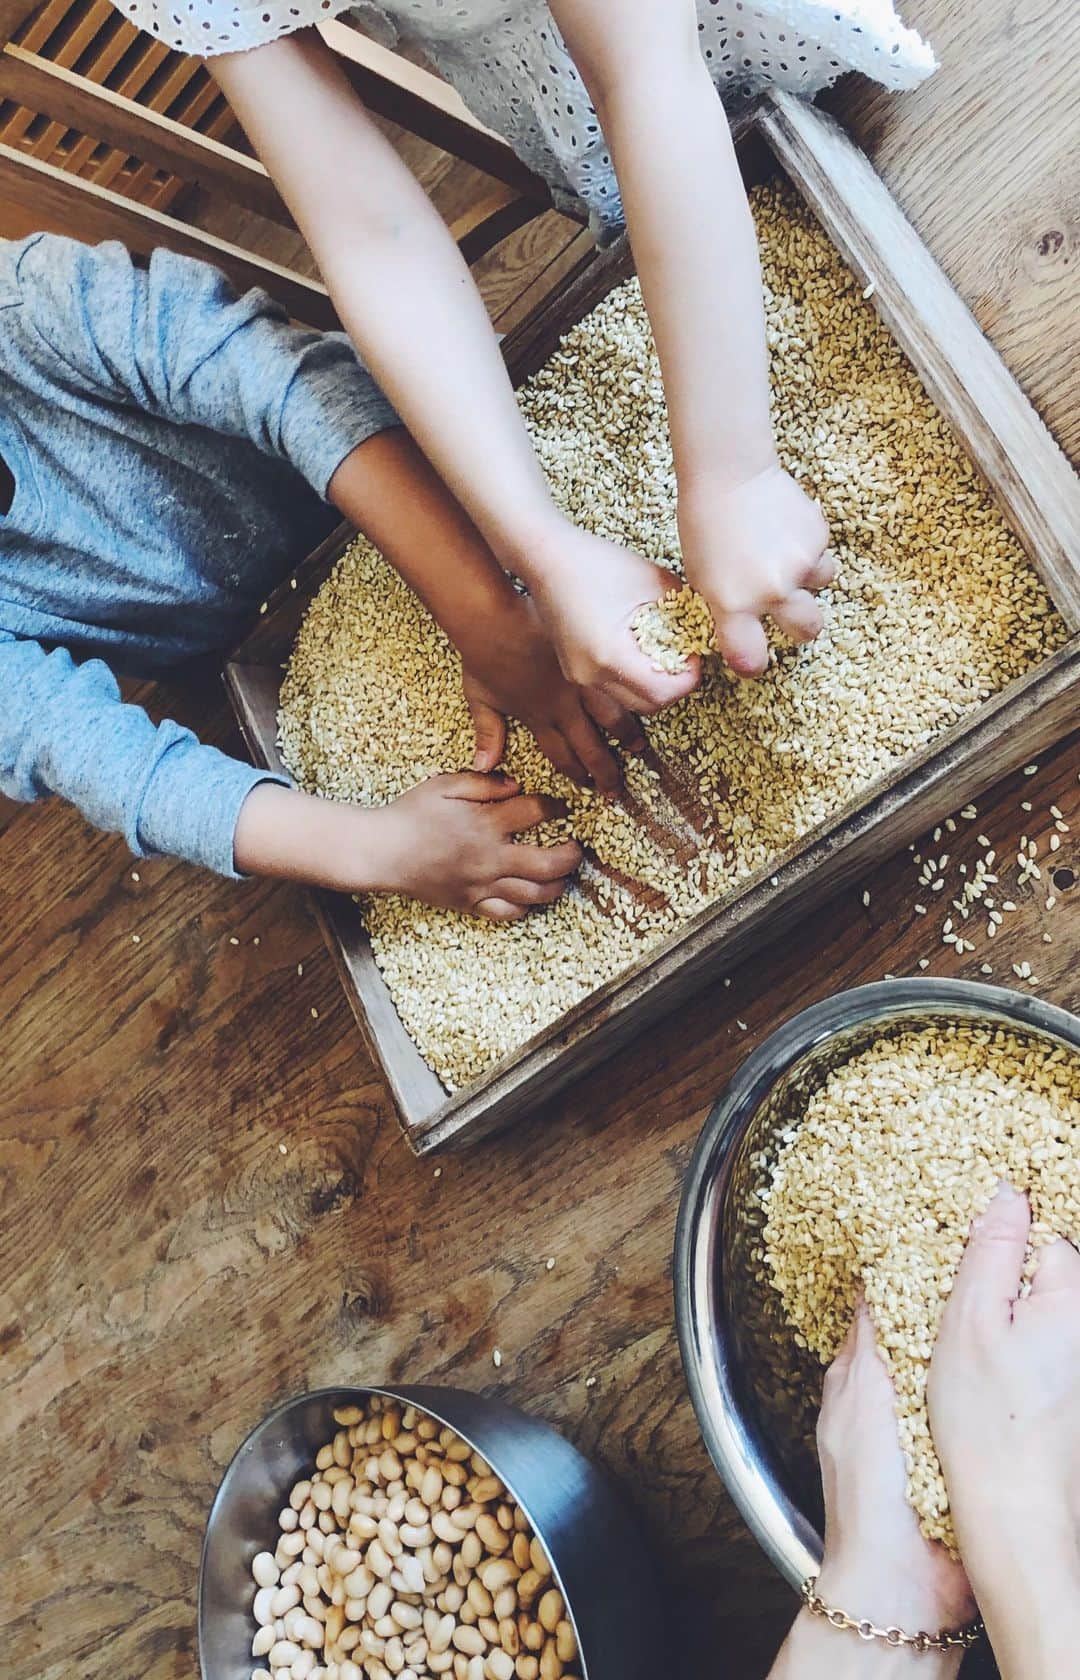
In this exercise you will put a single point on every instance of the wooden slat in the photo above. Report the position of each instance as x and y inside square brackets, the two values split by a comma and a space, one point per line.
[151, 56]
[516, 305]
[110, 49]
[479, 206]
[591, 278]
[41, 23]
[64, 200]
[402, 73]
[1027, 472]
[168, 102]
[146, 183]
[198, 97]
[221, 127]
[97, 13]
[492, 220]
[134, 129]
[424, 104]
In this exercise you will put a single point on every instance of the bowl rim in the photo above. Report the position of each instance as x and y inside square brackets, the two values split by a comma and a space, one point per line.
[785, 1534]
[405, 1395]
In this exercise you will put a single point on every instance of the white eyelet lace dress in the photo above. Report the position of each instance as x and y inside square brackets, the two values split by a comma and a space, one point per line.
[507, 60]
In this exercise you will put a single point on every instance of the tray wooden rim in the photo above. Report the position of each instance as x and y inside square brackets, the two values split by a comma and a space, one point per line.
[1040, 496]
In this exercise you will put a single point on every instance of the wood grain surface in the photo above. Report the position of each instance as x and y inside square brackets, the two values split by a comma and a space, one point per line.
[980, 158]
[168, 1273]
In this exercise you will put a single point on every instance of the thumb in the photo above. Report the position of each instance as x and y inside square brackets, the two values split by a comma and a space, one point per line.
[846, 1353]
[860, 1334]
[490, 728]
[667, 580]
[478, 789]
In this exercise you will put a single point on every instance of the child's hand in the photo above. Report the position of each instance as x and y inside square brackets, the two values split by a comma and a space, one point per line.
[752, 550]
[516, 674]
[877, 1562]
[450, 841]
[587, 591]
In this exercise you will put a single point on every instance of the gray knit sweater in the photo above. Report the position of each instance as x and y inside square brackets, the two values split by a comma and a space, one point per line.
[170, 444]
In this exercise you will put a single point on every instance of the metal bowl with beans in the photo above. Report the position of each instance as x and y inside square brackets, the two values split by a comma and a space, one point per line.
[757, 1425]
[415, 1533]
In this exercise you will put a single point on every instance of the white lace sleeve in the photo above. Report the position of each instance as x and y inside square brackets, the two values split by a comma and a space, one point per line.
[509, 63]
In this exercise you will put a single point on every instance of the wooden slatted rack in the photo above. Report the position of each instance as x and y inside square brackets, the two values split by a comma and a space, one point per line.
[103, 130]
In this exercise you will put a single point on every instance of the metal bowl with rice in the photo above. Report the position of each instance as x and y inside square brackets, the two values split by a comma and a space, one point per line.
[729, 1321]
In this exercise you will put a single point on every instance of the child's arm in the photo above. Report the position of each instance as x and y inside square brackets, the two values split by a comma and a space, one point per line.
[410, 305]
[176, 340]
[64, 730]
[389, 490]
[752, 541]
[449, 841]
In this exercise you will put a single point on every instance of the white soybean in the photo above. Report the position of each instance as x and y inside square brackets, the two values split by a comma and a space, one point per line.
[265, 1570]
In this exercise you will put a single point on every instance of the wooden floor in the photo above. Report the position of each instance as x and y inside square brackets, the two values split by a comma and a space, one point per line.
[206, 1206]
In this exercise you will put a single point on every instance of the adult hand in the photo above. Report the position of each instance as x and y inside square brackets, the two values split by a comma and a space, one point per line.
[877, 1562]
[1004, 1390]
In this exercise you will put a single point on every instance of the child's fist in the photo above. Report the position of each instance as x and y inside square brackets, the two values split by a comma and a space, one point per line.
[754, 550]
[588, 592]
[450, 841]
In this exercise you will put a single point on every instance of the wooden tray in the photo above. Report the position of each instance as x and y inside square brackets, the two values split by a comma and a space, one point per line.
[1039, 495]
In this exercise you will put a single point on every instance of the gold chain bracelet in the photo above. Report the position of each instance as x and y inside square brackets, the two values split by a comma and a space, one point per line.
[961, 1639]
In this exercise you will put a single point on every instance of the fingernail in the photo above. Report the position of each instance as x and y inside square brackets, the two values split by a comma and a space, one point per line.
[1005, 1193]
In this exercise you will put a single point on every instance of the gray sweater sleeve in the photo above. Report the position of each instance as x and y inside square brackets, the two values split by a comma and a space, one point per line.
[65, 730]
[175, 339]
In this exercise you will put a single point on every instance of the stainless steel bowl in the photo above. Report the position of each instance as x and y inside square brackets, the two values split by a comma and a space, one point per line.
[599, 1561]
[713, 1297]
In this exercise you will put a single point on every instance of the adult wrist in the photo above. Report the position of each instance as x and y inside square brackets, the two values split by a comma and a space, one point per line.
[1024, 1570]
[999, 1537]
[1039, 1570]
[879, 1592]
[815, 1648]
